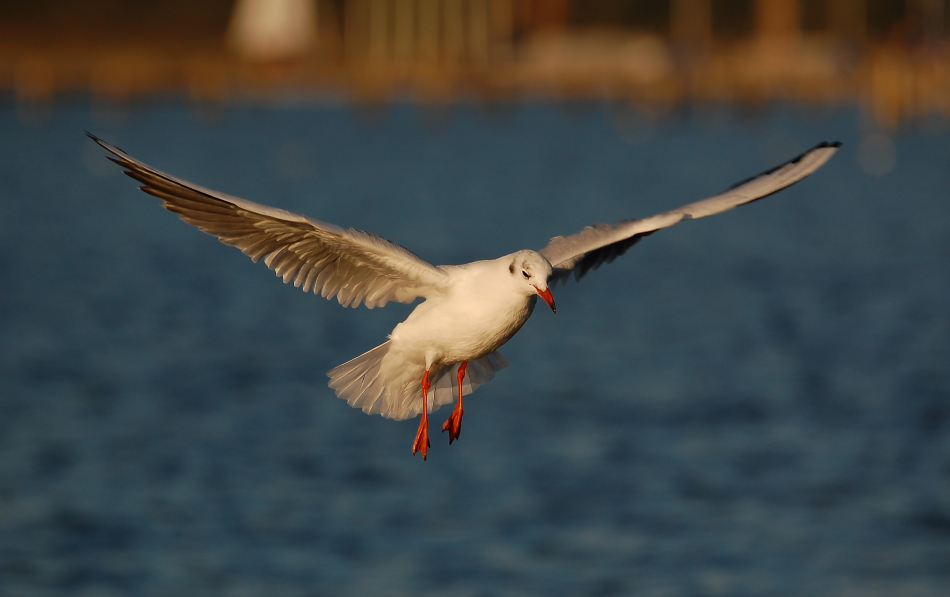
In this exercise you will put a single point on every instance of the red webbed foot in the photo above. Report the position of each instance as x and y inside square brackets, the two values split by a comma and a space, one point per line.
[422, 435]
[453, 425]
[422, 438]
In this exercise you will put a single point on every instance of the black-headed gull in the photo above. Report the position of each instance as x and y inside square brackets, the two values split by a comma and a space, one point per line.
[468, 310]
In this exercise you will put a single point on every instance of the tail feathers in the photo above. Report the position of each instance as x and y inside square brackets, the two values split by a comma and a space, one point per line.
[382, 382]
[477, 372]
[357, 381]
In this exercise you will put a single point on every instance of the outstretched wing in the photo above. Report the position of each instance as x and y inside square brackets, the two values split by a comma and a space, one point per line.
[602, 243]
[351, 265]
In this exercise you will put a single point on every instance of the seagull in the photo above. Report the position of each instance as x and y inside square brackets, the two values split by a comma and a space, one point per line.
[468, 311]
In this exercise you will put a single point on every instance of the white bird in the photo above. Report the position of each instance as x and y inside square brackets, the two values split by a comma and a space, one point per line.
[468, 310]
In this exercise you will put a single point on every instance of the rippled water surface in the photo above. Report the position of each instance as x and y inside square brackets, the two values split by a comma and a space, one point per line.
[753, 404]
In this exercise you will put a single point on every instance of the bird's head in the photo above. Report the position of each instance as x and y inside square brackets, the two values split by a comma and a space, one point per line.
[532, 270]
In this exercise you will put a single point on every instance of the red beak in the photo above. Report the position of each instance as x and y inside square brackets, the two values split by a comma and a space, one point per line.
[546, 295]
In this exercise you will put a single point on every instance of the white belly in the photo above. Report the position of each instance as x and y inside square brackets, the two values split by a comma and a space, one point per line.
[471, 322]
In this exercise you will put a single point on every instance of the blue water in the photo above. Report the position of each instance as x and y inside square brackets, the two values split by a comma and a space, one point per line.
[753, 404]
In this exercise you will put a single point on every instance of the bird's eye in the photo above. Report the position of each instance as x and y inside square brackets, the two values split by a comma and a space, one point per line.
[525, 274]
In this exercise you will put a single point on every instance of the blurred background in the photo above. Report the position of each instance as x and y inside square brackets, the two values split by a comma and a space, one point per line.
[752, 404]
[891, 56]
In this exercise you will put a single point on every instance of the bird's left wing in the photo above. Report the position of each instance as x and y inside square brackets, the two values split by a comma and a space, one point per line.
[602, 243]
[351, 265]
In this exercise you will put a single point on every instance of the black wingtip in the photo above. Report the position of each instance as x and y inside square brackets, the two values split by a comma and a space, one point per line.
[103, 144]
[796, 159]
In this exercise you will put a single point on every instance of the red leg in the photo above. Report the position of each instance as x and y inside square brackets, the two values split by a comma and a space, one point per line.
[454, 424]
[422, 436]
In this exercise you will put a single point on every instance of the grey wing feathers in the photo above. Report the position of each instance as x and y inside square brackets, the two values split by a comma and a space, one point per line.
[353, 266]
[602, 243]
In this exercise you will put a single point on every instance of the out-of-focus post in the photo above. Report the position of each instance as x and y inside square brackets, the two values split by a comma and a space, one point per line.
[378, 31]
[453, 31]
[478, 32]
[428, 43]
[777, 21]
[404, 31]
[932, 14]
[691, 27]
[848, 20]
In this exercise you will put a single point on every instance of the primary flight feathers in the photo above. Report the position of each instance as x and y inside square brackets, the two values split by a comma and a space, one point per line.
[351, 265]
[357, 267]
[602, 243]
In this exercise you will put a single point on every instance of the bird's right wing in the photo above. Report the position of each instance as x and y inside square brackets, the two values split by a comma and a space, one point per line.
[602, 243]
[351, 265]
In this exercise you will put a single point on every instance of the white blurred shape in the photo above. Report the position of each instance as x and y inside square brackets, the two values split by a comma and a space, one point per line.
[263, 30]
[876, 154]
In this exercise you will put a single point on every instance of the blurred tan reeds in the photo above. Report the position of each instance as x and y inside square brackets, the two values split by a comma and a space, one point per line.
[892, 57]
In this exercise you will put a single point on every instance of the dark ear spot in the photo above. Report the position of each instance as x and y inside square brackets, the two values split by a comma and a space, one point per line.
[511, 268]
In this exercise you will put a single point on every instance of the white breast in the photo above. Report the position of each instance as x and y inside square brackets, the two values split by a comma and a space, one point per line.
[482, 311]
